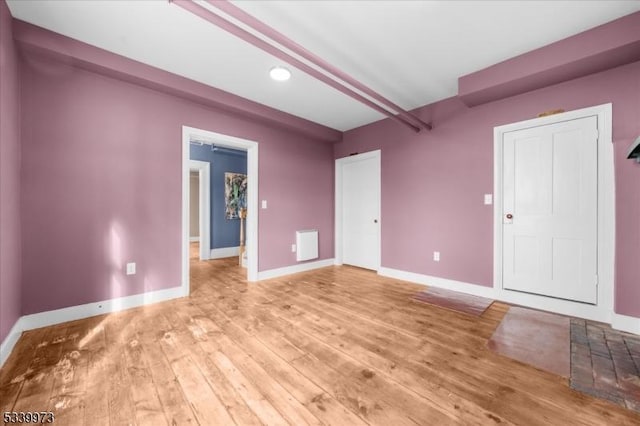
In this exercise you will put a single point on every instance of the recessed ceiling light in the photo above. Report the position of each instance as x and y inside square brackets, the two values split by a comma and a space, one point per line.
[280, 74]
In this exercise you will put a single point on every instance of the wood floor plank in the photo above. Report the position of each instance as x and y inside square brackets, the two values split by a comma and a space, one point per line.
[144, 394]
[224, 349]
[198, 384]
[271, 403]
[70, 377]
[173, 401]
[366, 393]
[507, 398]
[96, 410]
[118, 330]
[255, 399]
[334, 346]
[20, 367]
[17, 366]
[35, 394]
[439, 398]
[8, 396]
[501, 390]
[206, 406]
[353, 341]
[224, 389]
[394, 361]
[320, 403]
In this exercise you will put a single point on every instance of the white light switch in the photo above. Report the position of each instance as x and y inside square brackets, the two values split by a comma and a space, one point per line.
[131, 268]
[436, 256]
[293, 248]
[488, 199]
[264, 204]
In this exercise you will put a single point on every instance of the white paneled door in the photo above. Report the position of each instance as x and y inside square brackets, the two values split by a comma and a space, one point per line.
[360, 190]
[550, 200]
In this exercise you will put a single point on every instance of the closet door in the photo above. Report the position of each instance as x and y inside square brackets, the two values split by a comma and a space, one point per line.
[360, 213]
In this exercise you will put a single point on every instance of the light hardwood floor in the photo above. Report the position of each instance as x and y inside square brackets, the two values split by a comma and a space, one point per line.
[338, 346]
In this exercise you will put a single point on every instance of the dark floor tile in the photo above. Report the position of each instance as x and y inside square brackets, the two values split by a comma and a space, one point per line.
[610, 368]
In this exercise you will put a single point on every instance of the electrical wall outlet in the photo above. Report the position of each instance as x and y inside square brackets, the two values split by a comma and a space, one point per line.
[264, 204]
[293, 248]
[436, 256]
[131, 268]
[488, 199]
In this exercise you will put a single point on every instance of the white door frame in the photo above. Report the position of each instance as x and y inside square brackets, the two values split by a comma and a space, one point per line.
[338, 202]
[204, 205]
[603, 310]
[190, 134]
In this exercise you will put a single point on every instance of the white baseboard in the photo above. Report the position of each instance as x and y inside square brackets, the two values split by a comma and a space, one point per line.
[223, 252]
[57, 316]
[474, 289]
[10, 341]
[288, 270]
[626, 323]
[194, 239]
[563, 307]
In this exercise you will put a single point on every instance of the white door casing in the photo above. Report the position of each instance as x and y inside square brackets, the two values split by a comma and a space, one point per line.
[550, 191]
[204, 204]
[603, 309]
[193, 134]
[358, 221]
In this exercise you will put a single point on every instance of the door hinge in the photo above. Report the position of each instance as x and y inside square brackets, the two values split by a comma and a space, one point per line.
[596, 133]
[596, 279]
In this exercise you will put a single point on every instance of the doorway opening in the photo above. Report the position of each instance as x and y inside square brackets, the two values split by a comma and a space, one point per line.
[215, 141]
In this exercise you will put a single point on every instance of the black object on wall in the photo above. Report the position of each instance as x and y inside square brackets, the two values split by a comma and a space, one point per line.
[634, 150]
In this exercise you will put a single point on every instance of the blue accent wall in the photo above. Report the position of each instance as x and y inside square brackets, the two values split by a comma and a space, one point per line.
[224, 232]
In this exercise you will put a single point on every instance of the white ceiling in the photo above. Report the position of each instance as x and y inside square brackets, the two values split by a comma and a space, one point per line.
[411, 52]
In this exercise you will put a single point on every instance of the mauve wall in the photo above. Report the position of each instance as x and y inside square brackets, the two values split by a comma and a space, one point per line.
[224, 232]
[102, 185]
[433, 182]
[10, 291]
